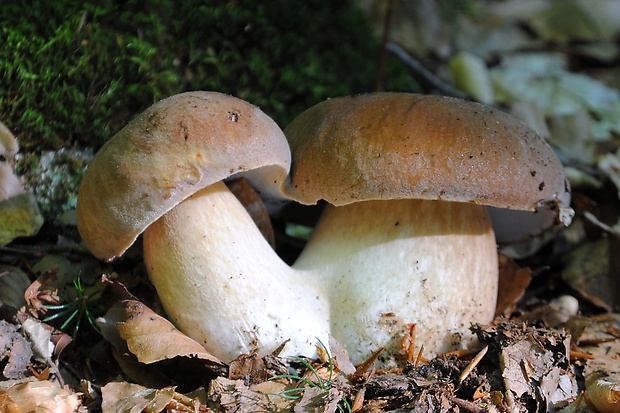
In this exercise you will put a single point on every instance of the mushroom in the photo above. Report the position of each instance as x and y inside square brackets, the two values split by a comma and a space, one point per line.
[218, 279]
[10, 184]
[19, 211]
[405, 237]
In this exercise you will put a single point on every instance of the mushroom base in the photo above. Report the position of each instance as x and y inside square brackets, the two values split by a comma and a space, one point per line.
[394, 264]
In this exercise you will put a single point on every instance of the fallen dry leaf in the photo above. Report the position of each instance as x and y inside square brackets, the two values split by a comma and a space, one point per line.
[40, 337]
[125, 397]
[19, 217]
[234, 396]
[317, 400]
[340, 357]
[525, 363]
[535, 365]
[601, 339]
[38, 396]
[15, 351]
[248, 367]
[42, 292]
[140, 373]
[592, 269]
[152, 338]
[513, 280]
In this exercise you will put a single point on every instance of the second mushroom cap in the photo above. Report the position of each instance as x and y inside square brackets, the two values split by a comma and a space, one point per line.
[397, 145]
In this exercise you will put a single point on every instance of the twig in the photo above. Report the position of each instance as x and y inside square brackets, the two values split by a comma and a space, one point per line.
[358, 401]
[419, 358]
[425, 75]
[467, 406]
[472, 365]
[41, 251]
[387, 23]
[363, 368]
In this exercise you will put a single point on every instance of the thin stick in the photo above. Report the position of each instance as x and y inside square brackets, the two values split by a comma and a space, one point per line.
[424, 74]
[387, 23]
[472, 365]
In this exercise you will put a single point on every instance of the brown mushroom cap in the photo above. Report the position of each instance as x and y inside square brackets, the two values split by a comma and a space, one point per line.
[176, 147]
[396, 145]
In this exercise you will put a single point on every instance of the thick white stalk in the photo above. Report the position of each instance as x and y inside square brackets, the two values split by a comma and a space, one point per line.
[371, 269]
[223, 285]
[393, 263]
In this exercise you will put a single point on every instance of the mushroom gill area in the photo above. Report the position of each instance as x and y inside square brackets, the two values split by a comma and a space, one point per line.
[370, 270]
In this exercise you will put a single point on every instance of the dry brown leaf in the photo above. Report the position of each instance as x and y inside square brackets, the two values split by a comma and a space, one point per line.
[15, 348]
[248, 367]
[535, 365]
[152, 338]
[535, 368]
[140, 373]
[587, 271]
[317, 400]
[42, 292]
[601, 339]
[38, 396]
[358, 400]
[513, 280]
[273, 389]
[235, 396]
[340, 356]
[125, 397]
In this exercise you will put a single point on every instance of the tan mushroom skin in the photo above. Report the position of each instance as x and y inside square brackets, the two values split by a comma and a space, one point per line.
[405, 240]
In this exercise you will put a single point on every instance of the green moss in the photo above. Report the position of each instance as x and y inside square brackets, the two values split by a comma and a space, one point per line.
[72, 73]
[68, 76]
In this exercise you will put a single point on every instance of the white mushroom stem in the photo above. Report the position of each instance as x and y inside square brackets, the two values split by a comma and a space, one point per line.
[370, 269]
[393, 263]
[222, 284]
